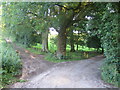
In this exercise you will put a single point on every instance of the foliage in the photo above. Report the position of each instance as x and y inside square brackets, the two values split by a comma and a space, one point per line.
[52, 43]
[10, 60]
[110, 69]
[19, 24]
[80, 38]
[93, 42]
[11, 64]
[107, 29]
[8, 79]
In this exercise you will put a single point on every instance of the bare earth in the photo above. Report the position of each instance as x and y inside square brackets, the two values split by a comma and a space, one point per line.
[75, 74]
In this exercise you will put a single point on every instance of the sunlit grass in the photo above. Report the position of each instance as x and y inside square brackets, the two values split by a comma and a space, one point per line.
[35, 51]
[53, 48]
[72, 56]
[37, 46]
[82, 53]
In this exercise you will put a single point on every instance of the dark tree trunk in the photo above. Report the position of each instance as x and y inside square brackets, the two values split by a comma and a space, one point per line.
[77, 47]
[77, 42]
[45, 41]
[97, 50]
[72, 41]
[61, 44]
[72, 47]
[65, 23]
[102, 50]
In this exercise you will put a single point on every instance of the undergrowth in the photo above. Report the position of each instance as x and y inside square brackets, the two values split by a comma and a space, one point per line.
[11, 64]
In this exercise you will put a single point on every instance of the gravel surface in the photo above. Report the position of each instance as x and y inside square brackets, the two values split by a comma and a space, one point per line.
[74, 74]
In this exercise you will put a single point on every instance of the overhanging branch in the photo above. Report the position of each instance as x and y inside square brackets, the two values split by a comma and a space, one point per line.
[71, 8]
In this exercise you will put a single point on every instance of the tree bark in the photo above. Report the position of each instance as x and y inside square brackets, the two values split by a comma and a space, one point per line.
[78, 41]
[72, 41]
[45, 41]
[61, 44]
[65, 22]
[77, 47]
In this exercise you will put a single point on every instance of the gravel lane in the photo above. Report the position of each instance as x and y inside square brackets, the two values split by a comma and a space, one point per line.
[74, 74]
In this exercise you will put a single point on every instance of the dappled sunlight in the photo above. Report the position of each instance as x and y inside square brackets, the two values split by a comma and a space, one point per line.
[26, 51]
[33, 57]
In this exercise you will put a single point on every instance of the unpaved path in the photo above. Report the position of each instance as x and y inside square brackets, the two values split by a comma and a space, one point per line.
[32, 64]
[74, 74]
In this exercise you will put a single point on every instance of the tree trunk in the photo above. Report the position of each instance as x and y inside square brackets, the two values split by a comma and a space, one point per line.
[65, 23]
[72, 41]
[45, 41]
[102, 50]
[72, 47]
[77, 47]
[78, 41]
[61, 44]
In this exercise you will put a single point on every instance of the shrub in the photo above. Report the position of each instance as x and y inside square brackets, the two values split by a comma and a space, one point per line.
[110, 36]
[11, 64]
[10, 60]
[110, 72]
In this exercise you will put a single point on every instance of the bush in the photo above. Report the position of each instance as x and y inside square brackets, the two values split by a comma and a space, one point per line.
[110, 36]
[110, 72]
[11, 64]
[10, 60]
[110, 68]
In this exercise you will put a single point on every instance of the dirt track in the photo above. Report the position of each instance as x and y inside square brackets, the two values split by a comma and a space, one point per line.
[75, 74]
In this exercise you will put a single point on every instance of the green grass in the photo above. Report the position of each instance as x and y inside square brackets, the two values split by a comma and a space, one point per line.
[72, 56]
[53, 48]
[8, 79]
[35, 51]
[82, 53]
[37, 48]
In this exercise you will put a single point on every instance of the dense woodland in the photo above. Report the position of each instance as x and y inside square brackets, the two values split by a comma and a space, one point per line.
[78, 24]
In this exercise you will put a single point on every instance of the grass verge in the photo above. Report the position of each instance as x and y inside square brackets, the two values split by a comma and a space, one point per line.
[71, 56]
